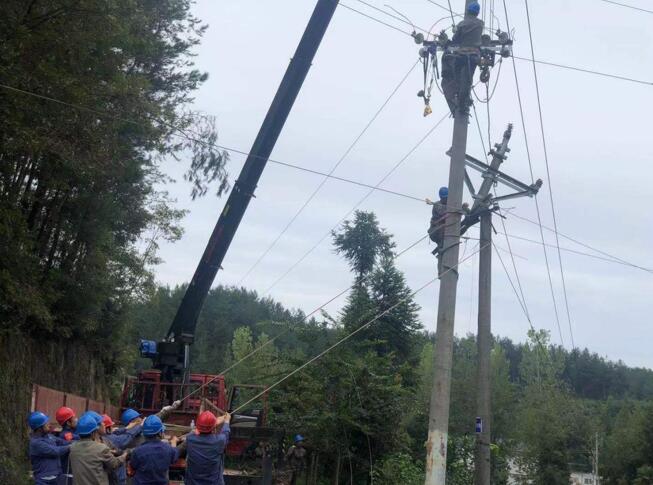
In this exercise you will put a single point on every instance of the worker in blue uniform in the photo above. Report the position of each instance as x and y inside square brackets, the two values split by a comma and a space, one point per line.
[150, 461]
[458, 66]
[205, 450]
[46, 451]
[118, 443]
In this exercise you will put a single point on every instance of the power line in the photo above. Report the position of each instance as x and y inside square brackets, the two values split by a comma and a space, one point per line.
[537, 204]
[548, 175]
[627, 6]
[182, 134]
[611, 257]
[587, 71]
[329, 175]
[351, 334]
[303, 320]
[538, 61]
[363, 199]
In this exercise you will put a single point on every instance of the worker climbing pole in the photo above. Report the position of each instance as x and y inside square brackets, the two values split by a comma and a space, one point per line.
[460, 56]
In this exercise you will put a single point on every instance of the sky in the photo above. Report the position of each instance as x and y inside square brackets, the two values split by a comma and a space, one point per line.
[597, 133]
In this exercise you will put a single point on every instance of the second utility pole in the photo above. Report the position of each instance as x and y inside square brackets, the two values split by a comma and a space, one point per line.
[436, 445]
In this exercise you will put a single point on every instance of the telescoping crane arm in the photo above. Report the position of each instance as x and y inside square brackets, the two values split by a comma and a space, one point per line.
[171, 355]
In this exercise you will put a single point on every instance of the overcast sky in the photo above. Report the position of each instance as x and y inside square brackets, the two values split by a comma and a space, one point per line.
[598, 134]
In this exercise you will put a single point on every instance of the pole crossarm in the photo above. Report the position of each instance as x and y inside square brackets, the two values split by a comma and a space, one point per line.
[498, 176]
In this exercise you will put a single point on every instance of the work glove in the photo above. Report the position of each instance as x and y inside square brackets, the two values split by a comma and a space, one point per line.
[176, 404]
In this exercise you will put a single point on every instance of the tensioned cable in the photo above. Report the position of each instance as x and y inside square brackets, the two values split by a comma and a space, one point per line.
[548, 175]
[358, 204]
[304, 319]
[609, 258]
[324, 180]
[350, 335]
[627, 6]
[297, 167]
[537, 204]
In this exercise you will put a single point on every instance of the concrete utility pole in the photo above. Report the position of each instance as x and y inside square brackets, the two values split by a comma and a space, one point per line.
[482, 468]
[484, 204]
[436, 445]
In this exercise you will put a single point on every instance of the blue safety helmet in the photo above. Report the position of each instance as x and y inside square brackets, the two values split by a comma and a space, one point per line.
[153, 426]
[474, 8]
[443, 192]
[87, 424]
[128, 416]
[97, 417]
[36, 420]
[298, 438]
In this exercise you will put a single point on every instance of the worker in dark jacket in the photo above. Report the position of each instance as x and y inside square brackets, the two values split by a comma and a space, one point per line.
[92, 461]
[118, 443]
[438, 217]
[459, 65]
[46, 451]
[205, 450]
[296, 458]
[150, 461]
[67, 418]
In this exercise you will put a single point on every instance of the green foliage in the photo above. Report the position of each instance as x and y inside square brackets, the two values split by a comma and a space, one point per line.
[80, 215]
[398, 468]
[362, 241]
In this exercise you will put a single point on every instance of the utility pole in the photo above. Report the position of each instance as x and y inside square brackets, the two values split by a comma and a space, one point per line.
[438, 433]
[485, 203]
[482, 465]
[482, 459]
[597, 480]
[174, 350]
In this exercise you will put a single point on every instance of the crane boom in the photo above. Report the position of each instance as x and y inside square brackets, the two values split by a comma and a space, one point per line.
[171, 355]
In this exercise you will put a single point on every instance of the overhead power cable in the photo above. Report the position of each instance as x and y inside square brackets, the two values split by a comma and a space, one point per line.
[538, 61]
[182, 134]
[351, 334]
[358, 204]
[327, 176]
[609, 257]
[548, 174]
[535, 199]
[627, 6]
[304, 319]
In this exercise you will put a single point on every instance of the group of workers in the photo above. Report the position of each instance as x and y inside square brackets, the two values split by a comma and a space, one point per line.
[459, 64]
[92, 450]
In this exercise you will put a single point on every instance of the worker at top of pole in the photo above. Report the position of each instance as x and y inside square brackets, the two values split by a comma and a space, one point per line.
[91, 460]
[205, 450]
[459, 63]
[150, 461]
[469, 30]
[46, 451]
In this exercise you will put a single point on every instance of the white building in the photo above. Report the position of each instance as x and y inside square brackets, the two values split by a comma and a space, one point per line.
[579, 478]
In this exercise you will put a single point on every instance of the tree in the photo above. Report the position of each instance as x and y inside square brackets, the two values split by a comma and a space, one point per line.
[397, 329]
[362, 241]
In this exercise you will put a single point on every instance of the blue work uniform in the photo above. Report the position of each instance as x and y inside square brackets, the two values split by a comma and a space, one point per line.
[150, 462]
[67, 434]
[120, 442]
[45, 453]
[205, 457]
